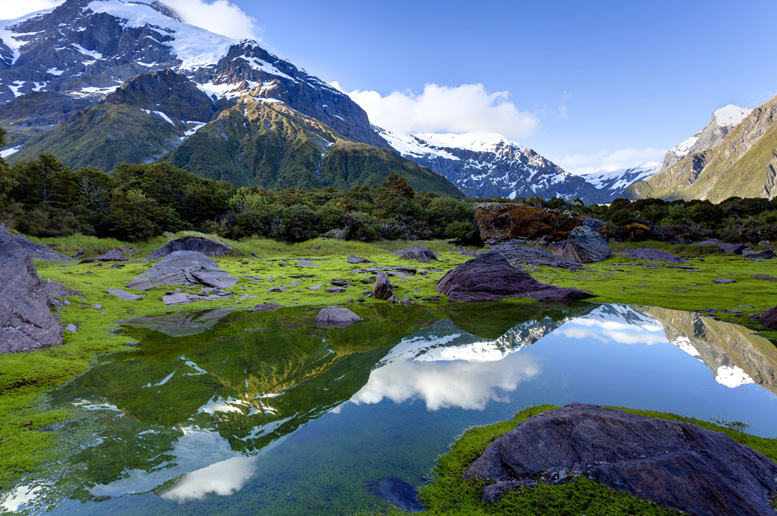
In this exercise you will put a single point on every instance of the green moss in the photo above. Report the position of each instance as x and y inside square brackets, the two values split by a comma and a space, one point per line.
[450, 493]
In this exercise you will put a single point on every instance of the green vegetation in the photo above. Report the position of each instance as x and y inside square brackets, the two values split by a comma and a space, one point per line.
[449, 492]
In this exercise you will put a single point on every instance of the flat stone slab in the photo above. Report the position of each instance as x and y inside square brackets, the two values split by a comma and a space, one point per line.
[184, 298]
[40, 252]
[334, 316]
[278, 289]
[525, 255]
[187, 268]
[356, 259]
[305, 263]
[141, 284]
[214, 278]
[677, 465]
[123, 294]
[262, 307]
[335, 290]
[765, 277]
[724, 281]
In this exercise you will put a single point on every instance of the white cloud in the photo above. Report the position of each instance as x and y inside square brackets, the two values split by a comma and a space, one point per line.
[468, 108]
[13, 9]
[609, 161]
[221, 17]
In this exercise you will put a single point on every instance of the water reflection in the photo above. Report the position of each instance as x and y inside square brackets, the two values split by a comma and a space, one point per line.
[269, 412]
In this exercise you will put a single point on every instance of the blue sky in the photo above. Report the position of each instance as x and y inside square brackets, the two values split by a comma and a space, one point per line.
[590, 85]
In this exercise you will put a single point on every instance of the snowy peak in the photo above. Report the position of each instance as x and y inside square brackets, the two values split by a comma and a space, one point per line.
[475, 142]
[613, 183]
[730, 115]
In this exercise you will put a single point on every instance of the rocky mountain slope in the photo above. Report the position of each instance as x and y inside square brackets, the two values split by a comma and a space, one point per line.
[489, 165]
[733, 156]
[98, 82]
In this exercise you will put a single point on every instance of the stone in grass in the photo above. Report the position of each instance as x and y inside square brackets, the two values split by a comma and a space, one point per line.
[306, 263]
[278, 289]
[334, 316]
[356, 259]
[335, 290]
[765, 277]
[123, 294]
[724, 281]
[315, 287]
[142, 284]
[383, 289]
[677, 465]
[262, 307]
[585, 245]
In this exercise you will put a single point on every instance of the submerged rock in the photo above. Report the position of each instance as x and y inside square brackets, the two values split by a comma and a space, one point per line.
[26, 321]
[398, 493]
[198, 244]
[674, 464]
[585, 245]
[333, 316]
[489, 277]
[418, 253]
[382, 288]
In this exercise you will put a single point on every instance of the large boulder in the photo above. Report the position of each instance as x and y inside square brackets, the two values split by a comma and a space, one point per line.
[526, 255]
[198, 244]
[674, 464]
[382, 288]
[187, 268]
[26, 321]
[40, 252]
[585, 245]
[769, 318]
[499, 222]
[489, 277]
[418, 253]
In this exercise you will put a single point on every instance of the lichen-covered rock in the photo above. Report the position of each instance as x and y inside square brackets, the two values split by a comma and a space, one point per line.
[334, 316]
[383, 289]
[489, 277]
[499, 222]
[200, 245]
[674, 464]
[585, 245]
[26, 321]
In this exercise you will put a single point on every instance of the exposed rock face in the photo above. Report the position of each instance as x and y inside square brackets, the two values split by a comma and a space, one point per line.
[652, 255]
[40, 252]
[200, 245]
[524, 255]
[418, 253]
[333, 316]
[26, 321]
[187, 268]
[585, 245]
[489, 277]
[677, 465]
[499, 222]
[382, 288]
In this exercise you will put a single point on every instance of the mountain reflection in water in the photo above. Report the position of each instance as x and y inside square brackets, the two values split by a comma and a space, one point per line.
[268, 412]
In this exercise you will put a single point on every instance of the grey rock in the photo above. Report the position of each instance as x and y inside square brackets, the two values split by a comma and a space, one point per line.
[525, 255]
[200, 245]
[677, 465]
[181, 324]
[306, 263]
[111, 256]
[265, 306]
[355, 259]
[123, 295]
[184, 298]
[333, 316]
[398, 493]
[142, 284]
[71, 328]
[243, 298]
[585, 245]
[724, 281]
[763, 255]
[489, 277]
[40, 252]
[418, 253]
[724, 247]
[97, 306]
[214, 279]
[315, 287]
[278, 289]
[26, 321]
[383, 289]
[249, 276]
[187, 268]
[652, 255]
[335, 290]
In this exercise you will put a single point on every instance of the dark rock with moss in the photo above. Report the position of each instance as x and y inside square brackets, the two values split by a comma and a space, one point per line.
[489, 277]
[26, 321]
[418, 253]
[513, 251]
[724, 247]
[198, 244]
[500, 222]
[652, 255]
[677, 465]
[585, 245]
[763, 255]
[769, 318]
[383, 289]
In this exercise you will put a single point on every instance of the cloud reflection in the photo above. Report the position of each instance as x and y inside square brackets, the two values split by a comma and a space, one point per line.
[222, 478]
[448, 384]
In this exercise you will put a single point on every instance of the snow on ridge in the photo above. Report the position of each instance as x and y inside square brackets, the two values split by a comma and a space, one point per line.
[731, 115]
[8, 36]
[194, 46]
[685, 146]
[627, 176]
[476, 142]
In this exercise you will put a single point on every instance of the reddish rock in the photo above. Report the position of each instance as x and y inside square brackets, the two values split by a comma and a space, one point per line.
[489, 277]
[677, 465]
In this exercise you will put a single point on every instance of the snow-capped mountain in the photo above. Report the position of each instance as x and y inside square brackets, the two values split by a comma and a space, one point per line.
[613, 183]
[722, 122]
[99, 82]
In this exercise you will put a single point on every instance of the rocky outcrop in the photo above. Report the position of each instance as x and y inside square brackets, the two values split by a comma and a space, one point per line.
[187, 268]
[524, 255]
[489, 277]
[40, 252]
[200, 245]
[499, 222]
[111, 256]
[382, 288]
[26, 321]
[585, 245]
[333, 316]
[418, 253]
[724, 247]
[677, 465]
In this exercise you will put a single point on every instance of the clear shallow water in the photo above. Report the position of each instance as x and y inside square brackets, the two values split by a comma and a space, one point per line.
[236, 413]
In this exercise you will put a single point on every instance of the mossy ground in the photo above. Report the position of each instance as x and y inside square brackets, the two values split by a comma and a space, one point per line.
[450, 493]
